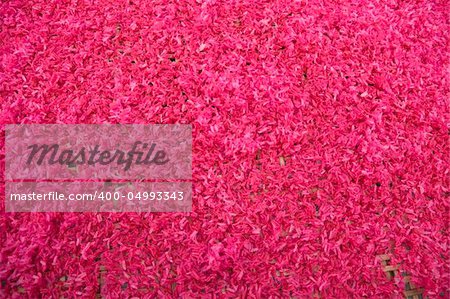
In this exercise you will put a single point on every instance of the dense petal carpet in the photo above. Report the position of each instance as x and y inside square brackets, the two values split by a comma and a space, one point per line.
[320, 131]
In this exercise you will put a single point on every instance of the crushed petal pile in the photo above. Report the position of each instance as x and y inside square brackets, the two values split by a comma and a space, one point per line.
[320, 140]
